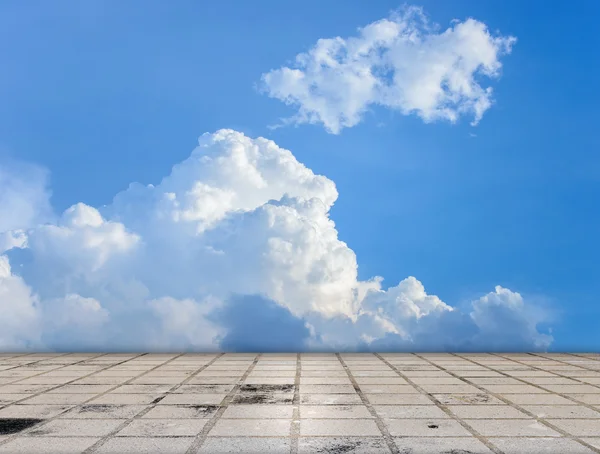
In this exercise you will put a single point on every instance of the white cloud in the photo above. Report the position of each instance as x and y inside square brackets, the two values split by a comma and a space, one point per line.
[403, 63]
[237, 239]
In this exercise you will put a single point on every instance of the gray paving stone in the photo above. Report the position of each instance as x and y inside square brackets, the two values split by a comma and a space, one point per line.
[438, 445]
[47, 445]
[538, 445]
[356, 445]
[100, 411]
[146, 445]
[192, 399]
[77, 428]
[245, 445]
[327, 389]
[562, 411]
[258, 412]
[162, 428]
[398, 399]
[251, 428]
[32, 411]
[339, 427]
[181, 411]
[425, 428]
[330, 399]
[334, 411]
[511, 428]
[578, 427]
[486, 412]
[409, 411]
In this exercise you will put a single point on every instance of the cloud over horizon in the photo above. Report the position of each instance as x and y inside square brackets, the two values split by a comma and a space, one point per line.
[233, 250]
[403, 63]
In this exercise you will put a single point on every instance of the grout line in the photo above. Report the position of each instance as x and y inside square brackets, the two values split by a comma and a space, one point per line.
[442, 406]
[295, 428]
[59, 355]
[69, 407]
[149, 407]
[203, 435]
[380, 424]
[512, 404]
[560, 374]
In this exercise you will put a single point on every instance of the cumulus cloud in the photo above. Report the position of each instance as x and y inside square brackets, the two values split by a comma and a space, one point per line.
[403, 63]
[233, 250]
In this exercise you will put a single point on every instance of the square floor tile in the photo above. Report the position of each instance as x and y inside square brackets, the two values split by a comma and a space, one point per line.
[258, 412]
[245, 445]
[77, 427]
[578, 427]
[251, 428]
[399, 399]
[192, 399]
[330, 399]
[437, 445]
[47, 445]
[147, 445]
[410, 411]
[334, 412]
[339, 427]
[562, 411]
[511, 428]
[101, 411]
[163, 428]
[425, 428]
[355, 445]
[523, 445]
[181, 411]
[487, 412]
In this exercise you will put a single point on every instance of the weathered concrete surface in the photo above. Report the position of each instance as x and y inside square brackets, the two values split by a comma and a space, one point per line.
[307, 403]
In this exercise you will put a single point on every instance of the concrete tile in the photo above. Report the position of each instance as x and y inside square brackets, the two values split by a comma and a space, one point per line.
[47, 445]
[245, 445]
[142, 389]
[594, 441]
[398, 399]
[486, 412]
[163, 428]
[592, 399]
[327, 389]
[181, 411]
[100, 411]
[10, 398]
[32, 411]
[324, 381]
[334, 411]
[146, 445]
[81, 389]
[214, 380]
[578, 427]
[251, 428]
[451, 389]
[192, 399]
[258, 412]
[511, 428]
[425, 428]
[437, 445]
[356, 445]
[562, 411]
[330, 399]
[269, 381]
[538, 445]
[514, 389]
[77, 427]
[468, 399]
[339, 427]
[438, 381]
[125, 399]
[58, 399]
[23, 389]
[388, 389]
[538, 399]
[409, 411]
[204, 389]
[254, 398]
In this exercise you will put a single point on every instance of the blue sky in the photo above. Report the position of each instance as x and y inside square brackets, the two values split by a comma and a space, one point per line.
[103, 94]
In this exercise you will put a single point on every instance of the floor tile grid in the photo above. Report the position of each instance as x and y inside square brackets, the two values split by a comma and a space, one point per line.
[203, 435]
[380, 424]
[597, 370]
[32, 362]
[149, 407]
[588, 357]
[440, 405]
[295, 430]
[46, 371]
[70, 407]
[565, 396]
[57, 386]
[516, 406]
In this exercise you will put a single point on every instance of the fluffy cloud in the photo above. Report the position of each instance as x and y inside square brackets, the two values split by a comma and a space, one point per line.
[403, 63]
[233, 250]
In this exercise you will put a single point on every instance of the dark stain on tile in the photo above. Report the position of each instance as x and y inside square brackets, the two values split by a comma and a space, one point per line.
[157, 400]
[340, 448]
[433, 426]
[203, 410]
[261, 398]
[266, 388]
[9, 426]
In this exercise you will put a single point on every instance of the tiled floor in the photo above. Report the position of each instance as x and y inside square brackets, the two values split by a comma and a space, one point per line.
[307, 403]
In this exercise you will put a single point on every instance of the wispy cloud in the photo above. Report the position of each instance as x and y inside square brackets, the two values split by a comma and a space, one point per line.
[403, 62]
